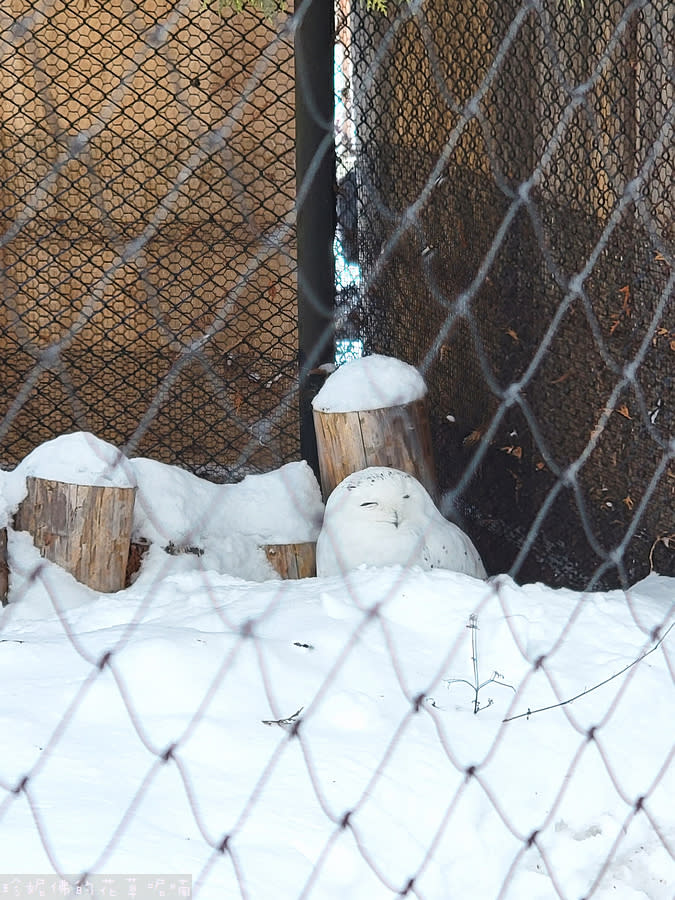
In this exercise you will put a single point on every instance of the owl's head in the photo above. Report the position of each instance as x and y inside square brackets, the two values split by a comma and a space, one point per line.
[380, 494]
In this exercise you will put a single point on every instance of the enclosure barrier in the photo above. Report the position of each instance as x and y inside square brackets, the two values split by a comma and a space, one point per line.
[502, 197]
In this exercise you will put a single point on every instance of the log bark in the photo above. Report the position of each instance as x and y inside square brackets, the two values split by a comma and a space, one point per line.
[395, 436]
[4, 568]
[86, 529]
[293, 560]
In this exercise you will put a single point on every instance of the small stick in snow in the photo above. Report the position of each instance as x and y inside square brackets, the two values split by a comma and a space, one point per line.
[477, 686]
[287, 723]
[532, 712]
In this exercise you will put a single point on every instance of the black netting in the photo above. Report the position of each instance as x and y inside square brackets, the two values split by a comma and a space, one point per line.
[513, 168]
[148, 182]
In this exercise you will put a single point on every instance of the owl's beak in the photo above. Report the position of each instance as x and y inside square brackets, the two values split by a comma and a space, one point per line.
[394, 521]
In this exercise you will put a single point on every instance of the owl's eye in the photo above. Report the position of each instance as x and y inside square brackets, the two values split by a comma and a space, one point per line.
[370, 503]
[406, 496]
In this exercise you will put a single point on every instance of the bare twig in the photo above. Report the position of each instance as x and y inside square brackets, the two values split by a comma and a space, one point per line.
[532, 712]
[477, 686]
[284, 723]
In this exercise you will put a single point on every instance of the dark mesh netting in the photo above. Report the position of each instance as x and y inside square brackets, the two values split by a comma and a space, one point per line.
[514, 170]
[147, 177]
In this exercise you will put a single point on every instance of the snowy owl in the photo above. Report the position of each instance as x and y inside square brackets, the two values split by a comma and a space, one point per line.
[383, 517]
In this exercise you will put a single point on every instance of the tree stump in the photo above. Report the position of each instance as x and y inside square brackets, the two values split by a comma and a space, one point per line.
[86, 529]
[4, 568]
[293, 560]
[395, 436]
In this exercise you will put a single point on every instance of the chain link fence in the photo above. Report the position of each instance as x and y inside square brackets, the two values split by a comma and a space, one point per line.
[504, 207]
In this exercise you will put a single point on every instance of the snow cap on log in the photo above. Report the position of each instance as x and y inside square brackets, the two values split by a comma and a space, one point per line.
[372, 382]
[5, 502]
[79, 458]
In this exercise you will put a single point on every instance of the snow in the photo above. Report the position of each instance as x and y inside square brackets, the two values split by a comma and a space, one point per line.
[230, 523]
[79, 458]
[371, 382]
[139, 717]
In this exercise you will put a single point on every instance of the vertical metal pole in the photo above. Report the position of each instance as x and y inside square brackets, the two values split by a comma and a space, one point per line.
[315, 180]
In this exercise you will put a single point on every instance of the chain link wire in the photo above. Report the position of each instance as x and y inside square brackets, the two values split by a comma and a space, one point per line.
[504, 197]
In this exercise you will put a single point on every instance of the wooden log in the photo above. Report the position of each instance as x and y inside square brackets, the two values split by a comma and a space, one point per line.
[4, 568]
[86, 529]
[293, 560]
[395, 436]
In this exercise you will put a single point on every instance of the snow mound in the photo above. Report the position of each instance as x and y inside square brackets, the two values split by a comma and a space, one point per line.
[380, 670]
[372, 382]
[79, 458]
[279, 507]
[213, 527]
[226, 525]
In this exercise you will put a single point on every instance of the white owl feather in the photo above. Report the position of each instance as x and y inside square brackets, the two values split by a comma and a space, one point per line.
[381, 517]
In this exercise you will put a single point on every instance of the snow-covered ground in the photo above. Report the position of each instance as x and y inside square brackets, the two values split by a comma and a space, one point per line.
[140, 730]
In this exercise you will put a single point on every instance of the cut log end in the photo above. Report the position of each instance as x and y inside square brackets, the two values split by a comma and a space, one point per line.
[292, 560]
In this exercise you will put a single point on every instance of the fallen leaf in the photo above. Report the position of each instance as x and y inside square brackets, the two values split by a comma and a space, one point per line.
[512, 334]
[629, 501]
[623, 411]
[474, 437]
[513, 451]
[625, 309]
